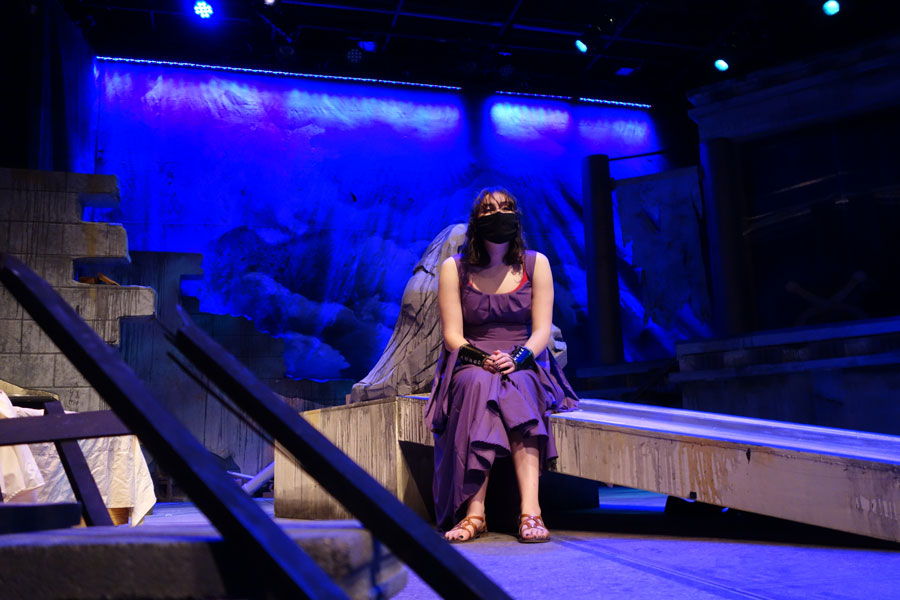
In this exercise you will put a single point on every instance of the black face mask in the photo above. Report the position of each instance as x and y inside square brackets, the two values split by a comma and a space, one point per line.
[498, 228]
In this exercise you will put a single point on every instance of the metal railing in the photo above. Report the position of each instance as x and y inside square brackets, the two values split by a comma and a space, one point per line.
[286, 570]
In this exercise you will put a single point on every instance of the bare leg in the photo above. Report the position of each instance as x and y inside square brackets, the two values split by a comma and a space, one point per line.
[475, 509]
[526, 459]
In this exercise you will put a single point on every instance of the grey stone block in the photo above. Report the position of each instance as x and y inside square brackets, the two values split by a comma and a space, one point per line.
[55, 270]
[65, 374]
[117, 241]
[25, 179]
[96, 401]
[79, 297]
[91, 184]
[10, 336]
[88, 240]
[108, 329]
[4, 228]
[27, 370]
[41, 206]
[34, 340]
[76, 399]
[83, 240]
[29, 239]
[9, 306]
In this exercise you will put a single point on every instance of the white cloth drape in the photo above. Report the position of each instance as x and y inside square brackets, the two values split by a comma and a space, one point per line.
[19, 472]
[117, 464]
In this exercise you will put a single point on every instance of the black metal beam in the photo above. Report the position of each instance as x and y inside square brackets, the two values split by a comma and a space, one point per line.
[84, 486]
[395, 524]
[60, 427]
[286, 570]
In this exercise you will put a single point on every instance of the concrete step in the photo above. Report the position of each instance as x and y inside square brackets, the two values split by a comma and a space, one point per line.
[182, 561]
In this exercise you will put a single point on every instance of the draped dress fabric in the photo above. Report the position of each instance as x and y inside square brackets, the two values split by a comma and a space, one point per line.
[471, 411]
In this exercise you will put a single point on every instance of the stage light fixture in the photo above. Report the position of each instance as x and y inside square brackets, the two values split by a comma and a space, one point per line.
[203, 9]
[354, 55]
[582, 47]
[367, 46]
[269, 2]
[721, 65]
[831, 8]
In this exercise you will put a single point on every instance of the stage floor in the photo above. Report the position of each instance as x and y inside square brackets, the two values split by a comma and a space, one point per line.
[630, 548]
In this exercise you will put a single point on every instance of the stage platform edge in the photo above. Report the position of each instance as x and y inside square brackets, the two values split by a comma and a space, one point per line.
[840, 479]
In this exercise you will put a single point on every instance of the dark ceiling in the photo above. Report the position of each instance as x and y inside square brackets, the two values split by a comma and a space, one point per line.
[517, 45]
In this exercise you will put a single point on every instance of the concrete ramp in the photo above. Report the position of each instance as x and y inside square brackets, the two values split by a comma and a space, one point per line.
[844, 480]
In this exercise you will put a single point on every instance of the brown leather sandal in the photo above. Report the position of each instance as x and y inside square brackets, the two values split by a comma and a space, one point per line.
[532, 522]
[469, 526]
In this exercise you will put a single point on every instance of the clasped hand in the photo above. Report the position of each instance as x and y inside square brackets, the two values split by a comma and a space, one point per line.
[499, 362]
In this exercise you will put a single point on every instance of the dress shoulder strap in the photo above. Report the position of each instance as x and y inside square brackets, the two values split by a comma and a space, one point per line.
[530, 257]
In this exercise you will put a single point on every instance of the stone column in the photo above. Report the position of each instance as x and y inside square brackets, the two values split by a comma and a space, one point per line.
[604, 315]
[725, 205]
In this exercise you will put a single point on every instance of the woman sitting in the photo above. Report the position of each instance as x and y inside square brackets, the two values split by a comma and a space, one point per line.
[496, 383]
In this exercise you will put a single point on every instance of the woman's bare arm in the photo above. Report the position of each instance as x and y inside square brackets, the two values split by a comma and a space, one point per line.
[541, 305]
[450, 305]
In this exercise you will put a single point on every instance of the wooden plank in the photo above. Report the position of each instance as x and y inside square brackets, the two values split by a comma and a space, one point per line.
[841, 493]
[628, 368]
[368, 435]
[761, 370]
[841, 479]
[410, 538]
[794, 335]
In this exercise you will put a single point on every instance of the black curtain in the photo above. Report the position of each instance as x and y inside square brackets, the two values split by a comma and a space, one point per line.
[48, 94]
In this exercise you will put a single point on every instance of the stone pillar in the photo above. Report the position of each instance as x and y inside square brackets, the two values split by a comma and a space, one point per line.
[729, 269]
[604, 315]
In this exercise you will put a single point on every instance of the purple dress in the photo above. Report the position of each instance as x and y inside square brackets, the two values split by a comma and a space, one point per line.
[472, 410]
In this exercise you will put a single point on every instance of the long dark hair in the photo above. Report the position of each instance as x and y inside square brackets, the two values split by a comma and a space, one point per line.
[474, 251]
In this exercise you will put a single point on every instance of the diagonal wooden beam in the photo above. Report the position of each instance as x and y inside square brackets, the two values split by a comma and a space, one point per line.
[402, 530]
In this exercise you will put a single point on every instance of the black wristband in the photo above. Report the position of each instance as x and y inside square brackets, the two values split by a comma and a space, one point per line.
[470, 355]
[522, 357]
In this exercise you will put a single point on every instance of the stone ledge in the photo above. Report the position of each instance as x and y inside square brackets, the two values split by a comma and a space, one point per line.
[60, 181]
[180, 562]
[72, 240]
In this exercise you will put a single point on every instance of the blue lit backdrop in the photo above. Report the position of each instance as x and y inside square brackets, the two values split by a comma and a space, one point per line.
[312, 200]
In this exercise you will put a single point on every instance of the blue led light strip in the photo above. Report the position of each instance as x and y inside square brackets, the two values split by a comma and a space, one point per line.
[168, 63]
[615, 102]
[573, 98]
[528, 95]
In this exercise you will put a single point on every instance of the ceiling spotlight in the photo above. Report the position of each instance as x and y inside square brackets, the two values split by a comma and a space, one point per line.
[721, 65]
[582, 47]
[625, 71]
[269, 2]
[831, 8]
[354, 55]
[367, 46]
[203, 9]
